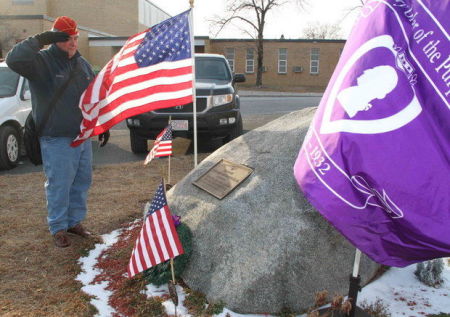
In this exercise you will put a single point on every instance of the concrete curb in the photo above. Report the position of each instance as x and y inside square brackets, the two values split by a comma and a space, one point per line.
[253, 93]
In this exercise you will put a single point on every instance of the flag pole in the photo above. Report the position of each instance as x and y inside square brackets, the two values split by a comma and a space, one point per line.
[172, 287]
[168, 168]
[355, 286]
[194, 95]
[172, 268]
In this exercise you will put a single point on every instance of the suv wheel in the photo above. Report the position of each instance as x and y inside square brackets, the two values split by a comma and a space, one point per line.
[9, 147]
[138, 144]
[235, 132]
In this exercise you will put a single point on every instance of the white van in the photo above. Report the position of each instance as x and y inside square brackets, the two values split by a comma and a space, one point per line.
[15, 105]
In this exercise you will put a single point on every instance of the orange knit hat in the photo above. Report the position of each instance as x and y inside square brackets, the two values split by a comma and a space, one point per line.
[65, 24]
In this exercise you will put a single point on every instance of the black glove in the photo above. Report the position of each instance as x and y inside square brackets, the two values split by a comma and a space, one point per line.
[103, 138]
[50, 37]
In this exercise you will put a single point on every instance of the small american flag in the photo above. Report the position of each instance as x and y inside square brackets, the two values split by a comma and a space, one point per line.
[153, 70]
[162, 146]
[158, 240]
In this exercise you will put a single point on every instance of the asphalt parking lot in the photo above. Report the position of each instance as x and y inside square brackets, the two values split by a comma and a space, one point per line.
[256, 110]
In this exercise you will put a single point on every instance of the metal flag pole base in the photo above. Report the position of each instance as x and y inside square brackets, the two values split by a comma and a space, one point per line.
[355, 287]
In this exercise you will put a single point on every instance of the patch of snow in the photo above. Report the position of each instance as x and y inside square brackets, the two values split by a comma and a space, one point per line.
[170, 307]
[89, 272]
[405, 295]
[233, 314]
[398, 289]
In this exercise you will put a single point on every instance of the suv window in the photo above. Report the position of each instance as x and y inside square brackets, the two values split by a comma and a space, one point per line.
[8, 82]
[211, 68]
[25, 88]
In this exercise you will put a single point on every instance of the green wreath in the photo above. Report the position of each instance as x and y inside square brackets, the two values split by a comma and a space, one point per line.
[161, 273]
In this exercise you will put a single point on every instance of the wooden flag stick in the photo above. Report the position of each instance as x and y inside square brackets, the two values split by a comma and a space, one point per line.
[172, 268]
[172, 283]
[168, 173]
[191, 3]
[161, 168]
[173, 288]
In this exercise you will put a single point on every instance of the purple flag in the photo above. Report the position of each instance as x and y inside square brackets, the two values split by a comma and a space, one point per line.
[376, 159]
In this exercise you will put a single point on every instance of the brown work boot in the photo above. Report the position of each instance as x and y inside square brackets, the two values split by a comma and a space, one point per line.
[61, 239]
[80, 231]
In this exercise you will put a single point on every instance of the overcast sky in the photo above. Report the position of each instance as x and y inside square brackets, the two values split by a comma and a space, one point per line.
[288, 20]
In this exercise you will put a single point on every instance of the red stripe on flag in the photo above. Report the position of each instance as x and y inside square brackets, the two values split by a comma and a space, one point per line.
[143, 247]
[155, 236]
[140, 257]
[129, 54]
[104, 84]
[135, 268]
[125, 69]
[173, 231]
[133, 41]
[162, 104]
[144, 108]
[147, 243]
[100, 81]
[145, 92]
[130, 265]
[152, 76]
[163, 228]
[166, 153]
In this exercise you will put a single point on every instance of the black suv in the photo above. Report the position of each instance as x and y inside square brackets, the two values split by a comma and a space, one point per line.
[218, 107]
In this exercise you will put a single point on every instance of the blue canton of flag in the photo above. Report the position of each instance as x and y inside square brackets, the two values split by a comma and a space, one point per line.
[162, 146]
[167, 41]
[159, 201]
[167, 136]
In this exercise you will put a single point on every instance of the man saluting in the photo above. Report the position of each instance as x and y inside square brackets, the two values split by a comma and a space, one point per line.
[58, 76]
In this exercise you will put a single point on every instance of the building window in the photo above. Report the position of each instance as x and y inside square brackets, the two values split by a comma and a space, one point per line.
[282, 60]
[250, 61]
[314, 65]
[229, 55]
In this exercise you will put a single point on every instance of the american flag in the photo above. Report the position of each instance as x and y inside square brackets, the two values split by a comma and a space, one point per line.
[162, 146]
[158, 240]
[153, 70]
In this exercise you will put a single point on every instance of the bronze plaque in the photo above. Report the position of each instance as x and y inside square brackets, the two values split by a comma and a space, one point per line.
[222, 178]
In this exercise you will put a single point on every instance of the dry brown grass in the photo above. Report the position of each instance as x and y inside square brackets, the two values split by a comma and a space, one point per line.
[38, 279]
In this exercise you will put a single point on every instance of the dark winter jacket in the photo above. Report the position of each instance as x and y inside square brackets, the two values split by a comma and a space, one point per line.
[47, 70]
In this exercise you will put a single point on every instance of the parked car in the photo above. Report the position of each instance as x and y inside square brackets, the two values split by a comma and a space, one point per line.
[15, 105]
[218, 107]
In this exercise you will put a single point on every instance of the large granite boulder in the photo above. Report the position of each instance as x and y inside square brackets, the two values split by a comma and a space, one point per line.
[263, 247]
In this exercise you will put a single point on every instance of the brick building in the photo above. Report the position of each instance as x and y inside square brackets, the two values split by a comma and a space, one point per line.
[105, 25]
[306, 64]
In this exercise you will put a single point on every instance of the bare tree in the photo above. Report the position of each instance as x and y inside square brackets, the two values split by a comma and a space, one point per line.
[317, 30]
[354, 8]
[252, 14]
[359, 6]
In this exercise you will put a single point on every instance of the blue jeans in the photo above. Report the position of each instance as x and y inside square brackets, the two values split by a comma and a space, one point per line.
[69, 176]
